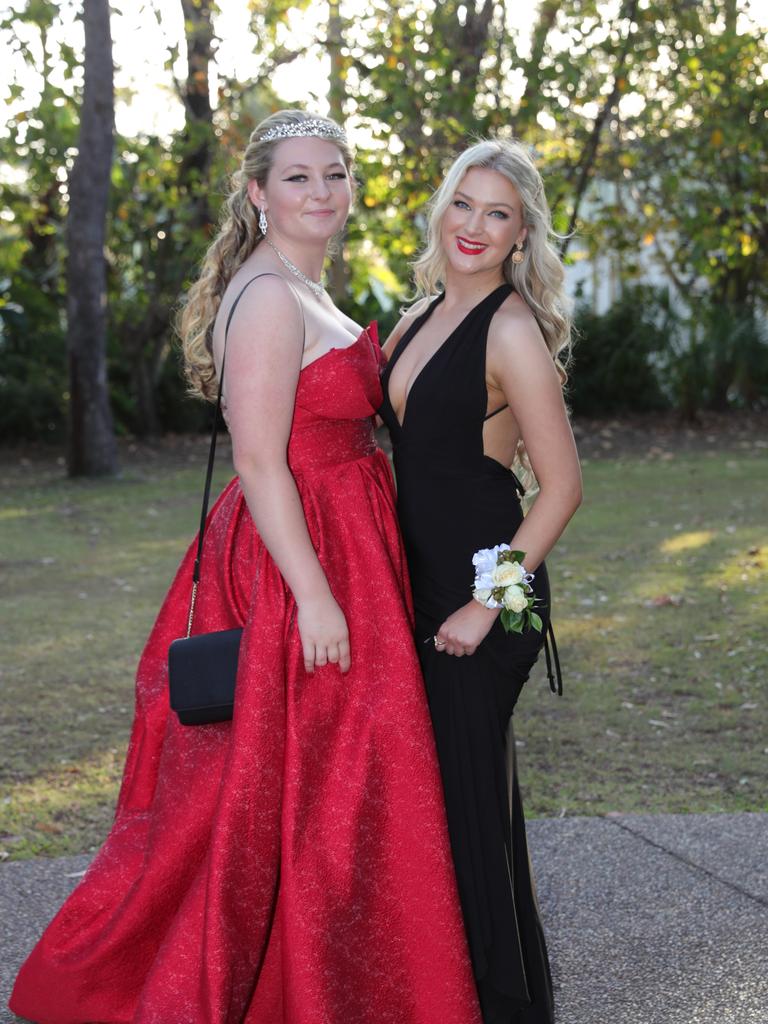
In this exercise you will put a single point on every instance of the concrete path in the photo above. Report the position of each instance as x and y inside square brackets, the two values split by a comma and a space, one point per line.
[650, 920]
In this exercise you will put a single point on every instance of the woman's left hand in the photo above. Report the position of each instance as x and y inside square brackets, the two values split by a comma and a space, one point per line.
[464, 630]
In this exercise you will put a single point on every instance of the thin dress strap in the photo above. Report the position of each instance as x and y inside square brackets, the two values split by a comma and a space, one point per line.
[214, 430]
[556, 679]
[496, 412]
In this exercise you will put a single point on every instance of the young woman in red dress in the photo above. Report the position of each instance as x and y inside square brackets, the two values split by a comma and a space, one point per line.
[292, 865]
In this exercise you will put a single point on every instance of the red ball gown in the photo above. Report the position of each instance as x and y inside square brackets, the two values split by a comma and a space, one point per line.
[292, 866]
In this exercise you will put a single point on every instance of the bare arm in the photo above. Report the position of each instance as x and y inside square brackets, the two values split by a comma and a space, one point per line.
[264, 352]
[520, 366]
[519, 363]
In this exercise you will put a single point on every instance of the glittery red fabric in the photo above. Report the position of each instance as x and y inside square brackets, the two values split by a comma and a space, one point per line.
[291, 867]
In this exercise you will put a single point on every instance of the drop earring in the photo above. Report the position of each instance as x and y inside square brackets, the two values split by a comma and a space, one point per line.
[263, 222]
[517, 253]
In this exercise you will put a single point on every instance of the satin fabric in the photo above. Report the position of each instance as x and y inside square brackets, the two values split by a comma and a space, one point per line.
[293, 865]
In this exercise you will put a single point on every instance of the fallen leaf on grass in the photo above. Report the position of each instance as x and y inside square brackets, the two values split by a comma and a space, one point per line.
[49, 827]
[662, 600]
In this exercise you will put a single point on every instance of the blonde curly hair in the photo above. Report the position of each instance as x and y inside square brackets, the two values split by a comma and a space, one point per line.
[236, 239]
[539, 279]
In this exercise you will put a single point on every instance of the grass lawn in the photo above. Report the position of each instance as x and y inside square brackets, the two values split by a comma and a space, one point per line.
[661, 603]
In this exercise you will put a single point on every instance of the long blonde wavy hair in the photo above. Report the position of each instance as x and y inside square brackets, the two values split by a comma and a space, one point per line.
[539, 279]
[236, 239]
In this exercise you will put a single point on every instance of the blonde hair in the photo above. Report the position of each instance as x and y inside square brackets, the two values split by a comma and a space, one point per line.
[236, 239]
[539, 278]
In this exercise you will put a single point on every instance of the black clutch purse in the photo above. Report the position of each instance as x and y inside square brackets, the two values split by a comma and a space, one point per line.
[202, 669]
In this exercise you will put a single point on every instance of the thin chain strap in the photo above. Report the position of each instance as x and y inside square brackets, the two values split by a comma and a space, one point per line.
[214, 432]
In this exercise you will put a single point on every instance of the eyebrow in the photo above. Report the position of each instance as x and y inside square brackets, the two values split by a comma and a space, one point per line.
[472, 200]
[306, 167]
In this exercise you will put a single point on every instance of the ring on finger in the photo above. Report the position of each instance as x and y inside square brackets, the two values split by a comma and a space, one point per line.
[438, 643]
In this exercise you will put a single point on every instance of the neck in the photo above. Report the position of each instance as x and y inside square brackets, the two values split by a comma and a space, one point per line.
[469, 289]
[308, 257]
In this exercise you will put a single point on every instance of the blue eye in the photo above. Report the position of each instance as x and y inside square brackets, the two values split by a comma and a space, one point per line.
[296, 177]
[338, 175]
[461, 204]
[500, 213]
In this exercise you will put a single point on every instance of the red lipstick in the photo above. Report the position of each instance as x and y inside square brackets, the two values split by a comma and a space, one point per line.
[470, 248]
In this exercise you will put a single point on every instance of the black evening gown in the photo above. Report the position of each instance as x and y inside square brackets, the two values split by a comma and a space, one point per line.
[452, 500]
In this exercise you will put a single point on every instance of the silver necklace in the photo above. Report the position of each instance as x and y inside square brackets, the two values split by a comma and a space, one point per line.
[314, 286]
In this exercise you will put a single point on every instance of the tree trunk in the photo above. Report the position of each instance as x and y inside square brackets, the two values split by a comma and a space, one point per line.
[146, 404]
[530, 102]
[198, 127]
[589, 154]
[731, 11]
[338, 278]
[468, 44]
[92, 448]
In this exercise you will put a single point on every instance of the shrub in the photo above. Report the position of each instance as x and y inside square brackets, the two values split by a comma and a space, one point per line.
[616, 355]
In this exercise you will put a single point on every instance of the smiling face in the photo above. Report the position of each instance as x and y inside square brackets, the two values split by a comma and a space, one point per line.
[483, 222]
[307, 193]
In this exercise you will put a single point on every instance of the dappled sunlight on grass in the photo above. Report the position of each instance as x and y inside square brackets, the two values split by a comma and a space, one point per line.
[177, 544]
[584, 628]
[6, 514]
[659, 581]
[61, 810]
[686, 541]
[742, 569]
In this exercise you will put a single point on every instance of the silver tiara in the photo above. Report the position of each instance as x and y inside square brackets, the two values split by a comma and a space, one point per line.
[302, 129]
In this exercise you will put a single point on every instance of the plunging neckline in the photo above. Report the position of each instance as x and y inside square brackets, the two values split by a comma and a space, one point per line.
[405, 341]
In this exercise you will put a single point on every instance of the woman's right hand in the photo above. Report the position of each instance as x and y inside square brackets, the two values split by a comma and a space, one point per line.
[324, 634]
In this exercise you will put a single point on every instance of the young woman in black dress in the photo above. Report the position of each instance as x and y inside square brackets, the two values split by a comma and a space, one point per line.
[473, 385]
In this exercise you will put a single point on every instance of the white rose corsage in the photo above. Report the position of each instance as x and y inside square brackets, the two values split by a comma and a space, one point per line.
[501, 581]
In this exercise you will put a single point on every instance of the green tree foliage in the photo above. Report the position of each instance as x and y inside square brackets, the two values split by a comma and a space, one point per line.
[691, 161]
[687, 166]
[38, 153]
[648, 119]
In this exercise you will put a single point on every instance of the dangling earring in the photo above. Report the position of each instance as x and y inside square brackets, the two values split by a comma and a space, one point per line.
[517, 254]
[263, 222]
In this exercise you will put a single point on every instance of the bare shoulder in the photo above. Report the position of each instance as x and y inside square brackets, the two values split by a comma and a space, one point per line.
[267, 295]
[514, 336]
[267, 304]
